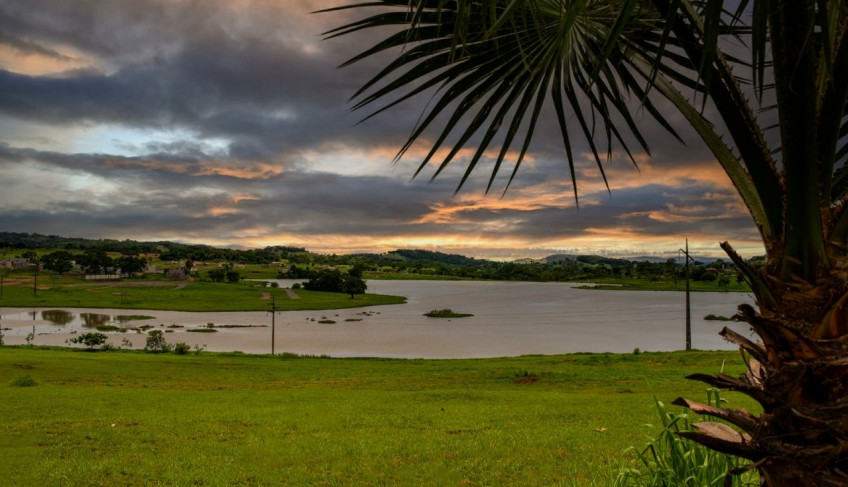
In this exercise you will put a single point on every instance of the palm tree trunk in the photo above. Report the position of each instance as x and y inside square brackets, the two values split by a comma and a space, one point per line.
[798, 373]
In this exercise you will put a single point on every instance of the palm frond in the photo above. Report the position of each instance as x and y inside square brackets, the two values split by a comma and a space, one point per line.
[489, 61]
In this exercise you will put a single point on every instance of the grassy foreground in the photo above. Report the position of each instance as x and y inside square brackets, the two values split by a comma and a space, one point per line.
[130, 418]
[195, 296]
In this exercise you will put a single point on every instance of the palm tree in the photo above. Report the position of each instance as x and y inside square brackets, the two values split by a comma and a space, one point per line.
[779, 133]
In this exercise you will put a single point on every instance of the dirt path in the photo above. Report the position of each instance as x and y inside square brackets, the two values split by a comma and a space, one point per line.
[291, 294]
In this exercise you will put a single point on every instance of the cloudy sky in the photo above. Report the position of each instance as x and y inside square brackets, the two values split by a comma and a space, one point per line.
[227, 122]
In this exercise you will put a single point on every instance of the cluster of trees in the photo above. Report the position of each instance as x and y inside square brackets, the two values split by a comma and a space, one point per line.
[91, 262]
[202, 253]
[334, 281]
[168, 250]
[224, 274]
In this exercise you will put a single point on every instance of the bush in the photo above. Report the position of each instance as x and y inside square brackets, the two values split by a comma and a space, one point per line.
[23, 381]
[296, 285]
[670, 459]
[156, 342]
[181, 348]
[90, 340]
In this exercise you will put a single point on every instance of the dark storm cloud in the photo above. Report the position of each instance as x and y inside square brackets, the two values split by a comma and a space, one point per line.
[251, 90]
[258, 83]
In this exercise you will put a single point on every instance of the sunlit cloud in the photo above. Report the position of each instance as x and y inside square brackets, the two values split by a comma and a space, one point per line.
[227, 123]
[38, 60]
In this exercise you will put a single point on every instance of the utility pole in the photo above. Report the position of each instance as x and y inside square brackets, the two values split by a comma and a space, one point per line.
[688, 307]
[273, 321]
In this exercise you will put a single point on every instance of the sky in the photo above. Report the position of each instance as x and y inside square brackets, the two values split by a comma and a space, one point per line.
[229, 123]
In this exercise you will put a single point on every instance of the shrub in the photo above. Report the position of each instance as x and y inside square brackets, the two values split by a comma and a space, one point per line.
[233, 277]
[156, 342]
[23, 381]
[181, 348]
[526, 377]
[296, 285]
[670, 459]
[90, 340]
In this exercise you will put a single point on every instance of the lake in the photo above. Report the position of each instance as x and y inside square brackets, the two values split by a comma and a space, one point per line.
[510, 318]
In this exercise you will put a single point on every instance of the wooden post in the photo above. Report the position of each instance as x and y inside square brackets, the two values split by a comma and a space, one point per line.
[688, 307]
[273, 321]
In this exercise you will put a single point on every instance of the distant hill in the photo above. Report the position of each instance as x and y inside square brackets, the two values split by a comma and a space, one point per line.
[176, 251]
[38, 241]
[425, 257]
[586, 259]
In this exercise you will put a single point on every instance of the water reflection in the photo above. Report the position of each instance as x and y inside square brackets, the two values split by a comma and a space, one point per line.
[58, 317]
[93, 320]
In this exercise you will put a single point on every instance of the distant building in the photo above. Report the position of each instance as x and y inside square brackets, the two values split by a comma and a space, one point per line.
[15, 263]
[176, 274]
[102, 277]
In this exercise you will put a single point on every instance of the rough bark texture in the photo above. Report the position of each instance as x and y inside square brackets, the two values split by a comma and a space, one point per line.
[798, 373]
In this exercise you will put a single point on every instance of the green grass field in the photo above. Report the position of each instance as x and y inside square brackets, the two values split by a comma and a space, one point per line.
[130, 418]
[195, 296]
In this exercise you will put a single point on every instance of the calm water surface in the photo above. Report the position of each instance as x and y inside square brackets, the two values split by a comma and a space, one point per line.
[510, 318]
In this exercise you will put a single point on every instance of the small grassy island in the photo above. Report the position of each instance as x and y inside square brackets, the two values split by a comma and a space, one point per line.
[446, 313]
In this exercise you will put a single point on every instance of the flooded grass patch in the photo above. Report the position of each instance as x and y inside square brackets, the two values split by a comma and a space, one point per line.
[446, 313]
[126, 318]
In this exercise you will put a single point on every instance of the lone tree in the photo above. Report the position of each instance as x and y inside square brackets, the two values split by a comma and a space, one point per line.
[353, 285]
[779, 133]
